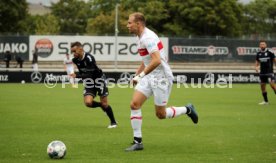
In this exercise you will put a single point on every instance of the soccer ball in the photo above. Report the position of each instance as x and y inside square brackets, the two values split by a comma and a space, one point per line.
[56, 149]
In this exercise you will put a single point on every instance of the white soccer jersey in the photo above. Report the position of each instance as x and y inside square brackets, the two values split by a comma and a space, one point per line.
[69, 65]
[149, 43]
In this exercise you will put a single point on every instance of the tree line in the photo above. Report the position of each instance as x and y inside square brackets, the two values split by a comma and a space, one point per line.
[179, 18]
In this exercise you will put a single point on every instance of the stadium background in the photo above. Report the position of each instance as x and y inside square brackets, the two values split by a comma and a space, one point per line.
[189, 57]
[193, 45]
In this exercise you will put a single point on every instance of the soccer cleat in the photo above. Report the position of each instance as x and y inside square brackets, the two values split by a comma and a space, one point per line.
[192, 113]
[112, 125]
[74, 86]
[263, 103]
[135, 147]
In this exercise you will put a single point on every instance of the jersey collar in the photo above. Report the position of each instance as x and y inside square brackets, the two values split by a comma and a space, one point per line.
[143, 32]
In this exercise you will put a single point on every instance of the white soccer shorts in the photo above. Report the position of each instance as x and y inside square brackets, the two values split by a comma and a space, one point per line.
[70, 70]
[160, 88]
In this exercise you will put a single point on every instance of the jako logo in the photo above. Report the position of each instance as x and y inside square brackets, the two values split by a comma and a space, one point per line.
[44, 47]
[13, 47]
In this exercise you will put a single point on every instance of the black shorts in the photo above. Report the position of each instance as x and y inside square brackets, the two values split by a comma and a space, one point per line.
[267, 78]
[96, 87]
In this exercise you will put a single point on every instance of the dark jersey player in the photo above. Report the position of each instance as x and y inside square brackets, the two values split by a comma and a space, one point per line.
[264, 63]
[93, 79]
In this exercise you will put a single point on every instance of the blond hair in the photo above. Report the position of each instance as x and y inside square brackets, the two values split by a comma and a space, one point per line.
[139, 17]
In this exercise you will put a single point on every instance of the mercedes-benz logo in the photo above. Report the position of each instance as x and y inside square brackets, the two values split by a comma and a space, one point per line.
[36, 77]
[125, 77]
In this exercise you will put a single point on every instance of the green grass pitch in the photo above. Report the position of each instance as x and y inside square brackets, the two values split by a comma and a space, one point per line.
[232, 127]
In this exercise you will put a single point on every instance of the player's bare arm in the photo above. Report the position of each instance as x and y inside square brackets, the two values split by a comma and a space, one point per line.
[75, 67]
[141, 68]
[138, 72]
[257, 66]
[155, 62]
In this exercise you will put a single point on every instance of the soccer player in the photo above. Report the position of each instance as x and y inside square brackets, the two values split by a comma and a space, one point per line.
[35, 61]
[264, 63]
[94, 81]
[69, 68]
[7, 58]
[153, 77]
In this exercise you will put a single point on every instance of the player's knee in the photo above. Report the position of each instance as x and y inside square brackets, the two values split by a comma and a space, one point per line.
[134, 105]
[88, 103]
[104, 104]
[161, 115]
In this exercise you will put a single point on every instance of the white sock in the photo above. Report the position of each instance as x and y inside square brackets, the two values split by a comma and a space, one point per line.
[136, 122]
[172, 112]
